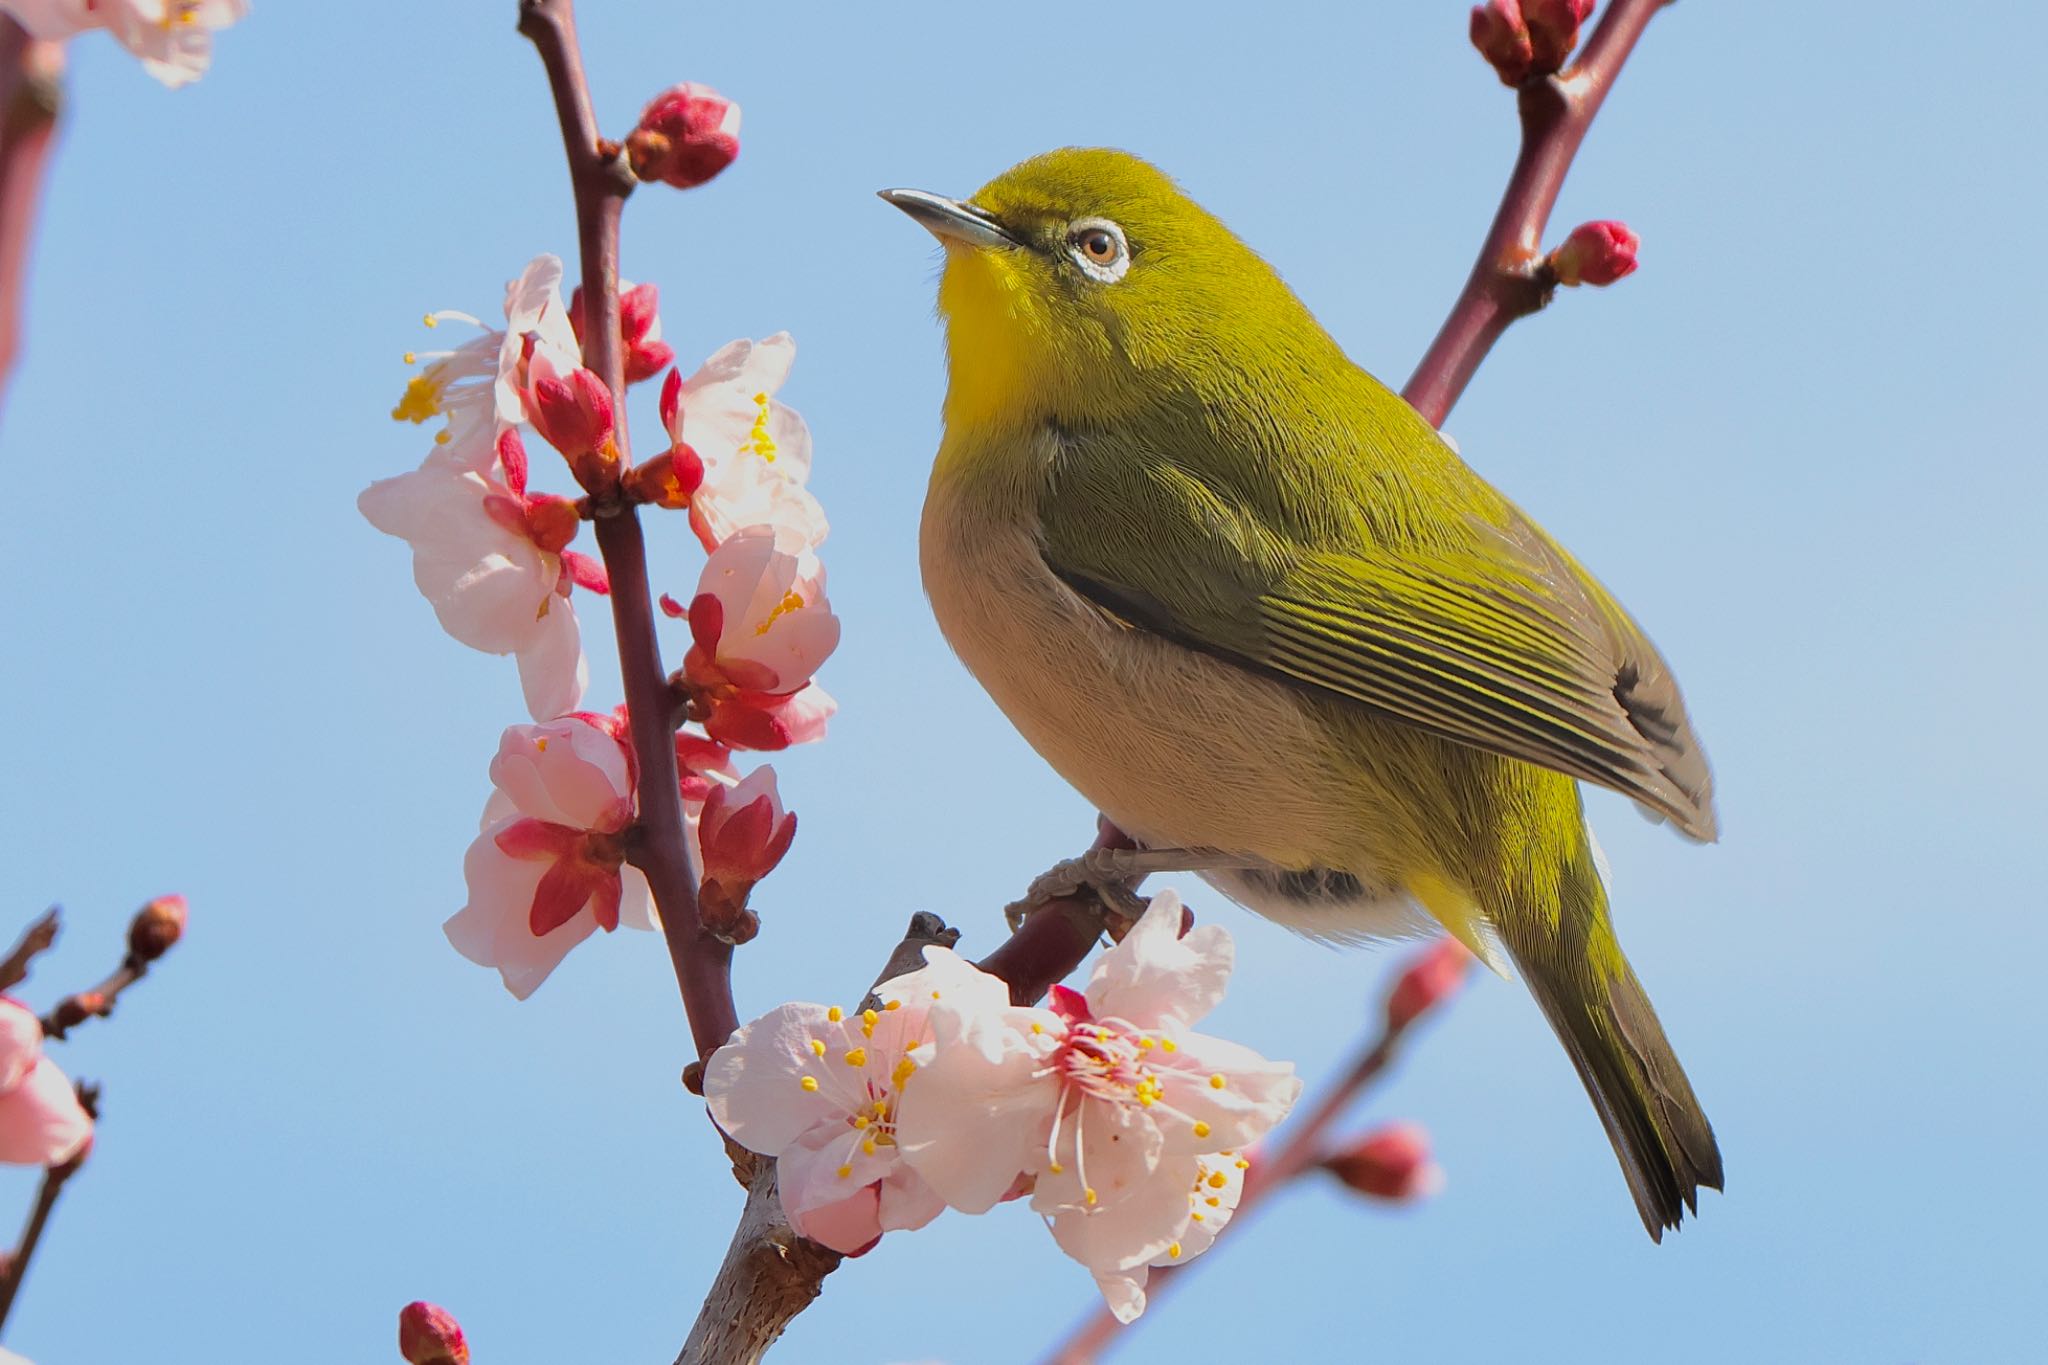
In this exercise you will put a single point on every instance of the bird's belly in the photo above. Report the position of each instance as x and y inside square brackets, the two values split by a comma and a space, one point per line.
[1178, 748]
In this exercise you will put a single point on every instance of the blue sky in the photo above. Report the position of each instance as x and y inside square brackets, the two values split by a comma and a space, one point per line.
[1803, 443]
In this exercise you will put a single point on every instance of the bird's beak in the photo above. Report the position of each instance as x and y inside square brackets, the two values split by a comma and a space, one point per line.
[951, 220]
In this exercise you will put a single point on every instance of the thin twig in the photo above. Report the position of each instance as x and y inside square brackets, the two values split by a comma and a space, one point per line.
[46, 1200]
[661, 847]
[34, 940]
[96, 1003]
[1509, 279]
[30, 91]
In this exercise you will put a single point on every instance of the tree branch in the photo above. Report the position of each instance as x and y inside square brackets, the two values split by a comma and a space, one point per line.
[35, 939]
[661, 848]
[1509, 280]
[16, 1268]
[30, 91]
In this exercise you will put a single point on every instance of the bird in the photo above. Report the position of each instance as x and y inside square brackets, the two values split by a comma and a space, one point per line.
[1252, 606]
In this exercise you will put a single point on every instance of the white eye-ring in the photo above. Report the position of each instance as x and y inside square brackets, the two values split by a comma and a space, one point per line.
[1098, 247]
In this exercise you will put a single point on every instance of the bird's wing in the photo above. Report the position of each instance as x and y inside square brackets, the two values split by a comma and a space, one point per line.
[1490, 635]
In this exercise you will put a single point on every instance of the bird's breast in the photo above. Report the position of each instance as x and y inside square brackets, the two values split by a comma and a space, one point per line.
[1178, 748]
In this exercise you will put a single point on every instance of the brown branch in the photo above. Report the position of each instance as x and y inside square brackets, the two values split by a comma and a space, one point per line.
[35, 939]
[96, 1003]
[661, 846]
[1509, 280]
[1303, 1150]
[54, 1177]
[30, 91]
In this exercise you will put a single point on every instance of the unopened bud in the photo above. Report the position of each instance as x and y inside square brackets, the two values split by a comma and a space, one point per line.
[1431, 977]
[686, 135]
[428, 1334]
[572, 412]
[1595, 253]
[744, 831]
[646, 354]
[668, 480]
[1521, 39]
[1392, 1163]
[156, 927]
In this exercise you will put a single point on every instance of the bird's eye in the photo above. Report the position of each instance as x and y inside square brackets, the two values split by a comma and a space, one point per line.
[1097, 246]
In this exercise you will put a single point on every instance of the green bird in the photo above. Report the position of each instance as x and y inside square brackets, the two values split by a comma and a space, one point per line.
[1251, 605]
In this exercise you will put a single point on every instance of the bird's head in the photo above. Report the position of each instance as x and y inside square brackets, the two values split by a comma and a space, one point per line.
[1083, 283]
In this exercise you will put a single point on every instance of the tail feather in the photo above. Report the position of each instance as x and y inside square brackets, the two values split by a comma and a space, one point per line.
[1574, 967]
[1660, 1134]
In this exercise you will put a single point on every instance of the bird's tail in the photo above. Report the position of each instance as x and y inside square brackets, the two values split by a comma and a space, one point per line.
[1574, 967]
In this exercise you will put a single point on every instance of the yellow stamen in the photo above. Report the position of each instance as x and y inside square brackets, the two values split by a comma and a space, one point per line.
[868, 1020]
[903, 1072]
[1089, 1195]
[1201, 1128]
[868, 1146]
[791, 601]
[860, 1120]
[1144, 1045]
[1243, 1165]
[1057, 1169]
[856, 1056]
[845, 1171]
[1169, 1044]
[421, 401]
[1196, 1216]
[1217, 1180]
[431, 320]
[1038, 1028]
[1173, 1250]
[411, 358]
[1216, 1081]
[809, 1083]
[1213, 1202]
[818, 1050]
[835, 1014]
[892, 1004]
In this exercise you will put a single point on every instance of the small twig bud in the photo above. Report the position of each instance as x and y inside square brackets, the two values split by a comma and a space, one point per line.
[1391, 1164]
[687, 134]
[156, 928]
[1431, 977]
[428, 1334]
[1522, 39]
[1596, 253]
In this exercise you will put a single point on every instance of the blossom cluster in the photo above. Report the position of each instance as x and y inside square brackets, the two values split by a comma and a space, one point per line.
[173, 38]
[551, 863]
[1128, 1131]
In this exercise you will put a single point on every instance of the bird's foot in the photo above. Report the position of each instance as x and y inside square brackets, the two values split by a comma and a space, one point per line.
[1111, 876]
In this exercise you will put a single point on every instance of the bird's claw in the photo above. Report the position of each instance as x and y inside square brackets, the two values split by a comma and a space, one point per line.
[1100, 873]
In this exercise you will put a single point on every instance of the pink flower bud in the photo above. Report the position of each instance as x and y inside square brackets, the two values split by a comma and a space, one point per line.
[1553, 31]
[429, 1335]
[1502, 37]
[647, 355]
[743, 833]
[687, 134]
[1431, 977]
[1596, 253]
[1392, 1163]
[156, 927]
[572, 412]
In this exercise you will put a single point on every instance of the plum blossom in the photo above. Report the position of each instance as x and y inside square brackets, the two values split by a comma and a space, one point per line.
[174, 38]
[1212, 1199]
[1107, 1101]
[741, 834]
[490, 558]
[548, 868]
[755, 453]
[820, 1089]
[479, 385]
[41, 1121]
[760, 626]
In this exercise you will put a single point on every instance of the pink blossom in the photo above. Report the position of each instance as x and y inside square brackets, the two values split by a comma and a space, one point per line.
[41, 1121]
[743, 833]
[1107, 1101]
[571, 409]
[478, 386]
[687, 134]
[820, 1090]
[1212, 1199]
[1392, 1163]
[548, 868]
[754, 452]
[760, 621]
[174, 38]
[489, 557]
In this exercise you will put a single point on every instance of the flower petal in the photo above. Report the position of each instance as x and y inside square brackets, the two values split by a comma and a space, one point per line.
[1155, 975]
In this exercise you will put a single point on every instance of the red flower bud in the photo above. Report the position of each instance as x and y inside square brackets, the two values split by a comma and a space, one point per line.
[639, 330]
[687, 134]
[1525, 38]
[429, 1335]
[572, 412]
[156, 927]
[1431, 977]
[1392, 1163]
[1595, 253]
